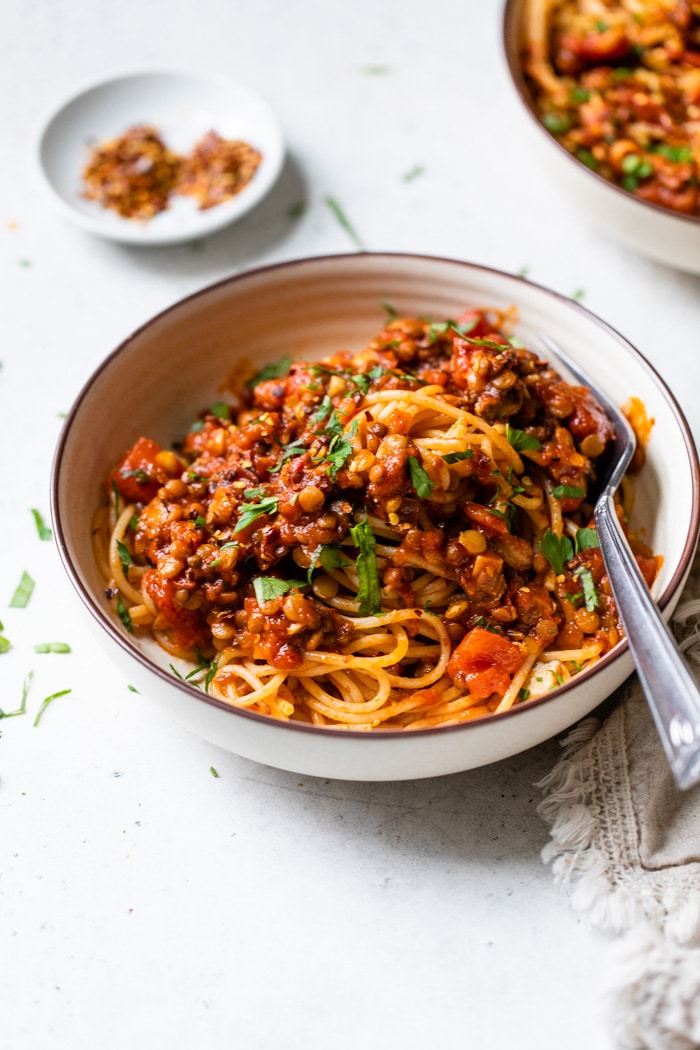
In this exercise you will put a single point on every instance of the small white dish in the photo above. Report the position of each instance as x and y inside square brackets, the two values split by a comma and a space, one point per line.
[183, 107]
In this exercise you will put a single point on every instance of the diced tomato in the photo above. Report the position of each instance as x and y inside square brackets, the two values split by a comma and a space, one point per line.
[649, 567]
[474, 323]
[138, 476]
[485, 662]
[187, 625]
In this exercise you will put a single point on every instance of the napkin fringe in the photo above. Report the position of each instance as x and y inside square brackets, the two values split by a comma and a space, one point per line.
[577, 861]
[653, 992]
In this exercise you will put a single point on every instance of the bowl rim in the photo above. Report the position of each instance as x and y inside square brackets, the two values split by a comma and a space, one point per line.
[512, 13]
[211, 221]
[108, 623]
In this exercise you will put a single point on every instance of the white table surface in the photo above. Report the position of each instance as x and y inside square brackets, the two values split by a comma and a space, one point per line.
[144, 901]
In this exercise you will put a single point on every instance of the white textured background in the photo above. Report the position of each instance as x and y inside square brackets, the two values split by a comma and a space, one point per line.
[143, 902]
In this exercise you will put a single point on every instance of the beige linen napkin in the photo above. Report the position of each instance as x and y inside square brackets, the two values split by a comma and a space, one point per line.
[627, 844]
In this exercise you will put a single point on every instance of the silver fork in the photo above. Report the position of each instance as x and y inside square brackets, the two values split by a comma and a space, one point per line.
[670, 688]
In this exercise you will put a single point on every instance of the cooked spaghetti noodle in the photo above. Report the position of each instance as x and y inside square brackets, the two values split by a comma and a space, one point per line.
[395, 538]
[618, 83]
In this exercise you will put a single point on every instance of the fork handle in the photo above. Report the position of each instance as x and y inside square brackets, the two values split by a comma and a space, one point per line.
[670, 688]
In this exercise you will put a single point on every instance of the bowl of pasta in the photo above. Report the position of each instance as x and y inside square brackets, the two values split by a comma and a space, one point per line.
[611, 94]
[337, 515]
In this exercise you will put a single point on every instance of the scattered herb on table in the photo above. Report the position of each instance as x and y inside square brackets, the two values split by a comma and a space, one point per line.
[52, 647]
[23, 703]
[43, 531]
[342, 218]
[45, 703]
[23, 592]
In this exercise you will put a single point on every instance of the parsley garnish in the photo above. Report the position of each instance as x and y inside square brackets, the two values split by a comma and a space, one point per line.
[297, 448]
[422, 484]
[590, 594]
[556, 550]
[43, 531]
[369, 595]
[23, 592]
[123, 614]
[490, 344]
[268, 587]
[571, 491]
[221, 410]
[213, 771]
[585, 539]
[52, 647]
[390, 311]
[521, 441]
[250, 512]
[5, 643]
[329, 557]
[139, 475]
[457, 457]
[124, 555]
[275, 370]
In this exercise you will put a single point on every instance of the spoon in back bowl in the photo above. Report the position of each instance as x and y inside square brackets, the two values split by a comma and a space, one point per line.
[670, 689]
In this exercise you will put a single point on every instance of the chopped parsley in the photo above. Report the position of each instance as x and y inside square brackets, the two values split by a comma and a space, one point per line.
[422, 484]
[268, 587]
[585, 539]
[139, 475]
[123, 614]
[43, 531]
[221, 410]
[124, 555]
[521, 441]
[297, 448]
[213, 772]
[23, 592]
[275, 370]
[590, 594]
[568, 491]
[5, 643]
[250, 512]
[457, 457]
[329, 557]
[369, 595]
[389, 310]
[557, 550]
[52, 647]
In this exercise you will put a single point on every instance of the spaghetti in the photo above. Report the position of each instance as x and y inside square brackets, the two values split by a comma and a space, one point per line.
[618, 83]
[395, 538]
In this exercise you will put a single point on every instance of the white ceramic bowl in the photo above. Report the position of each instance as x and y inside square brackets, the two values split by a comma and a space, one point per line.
[156, 382]
[183, 106]
[659, 233]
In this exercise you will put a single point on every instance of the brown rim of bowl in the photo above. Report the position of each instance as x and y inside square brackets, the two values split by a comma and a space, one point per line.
[108, 624]
[511, 47]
